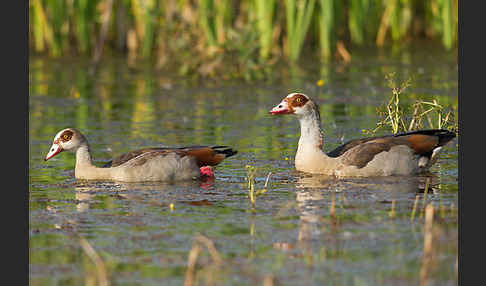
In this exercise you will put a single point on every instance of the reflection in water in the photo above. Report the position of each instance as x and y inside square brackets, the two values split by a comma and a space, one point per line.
[392, 184]
[318, 195]
[82, 199]
[309, 218]
[87, 191]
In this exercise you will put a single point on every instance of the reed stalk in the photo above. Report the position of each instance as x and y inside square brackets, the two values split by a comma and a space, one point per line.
[428, 252]
[299, 15]
[207, 21]
[84, 18]
[193, 29]
[223, 19]
[97, 261]
[326, 27]
[391, 214]
[414, 209]
[265, 14]
[385, 22]
[426, 190]
[356, 20]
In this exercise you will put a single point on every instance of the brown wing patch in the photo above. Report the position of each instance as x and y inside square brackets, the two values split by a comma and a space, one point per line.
[362, 154]
[422, 144]
[206, 156]
[359, 152]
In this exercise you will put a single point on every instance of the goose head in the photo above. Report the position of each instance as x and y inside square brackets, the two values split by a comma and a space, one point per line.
[68, 139]
[295, 103]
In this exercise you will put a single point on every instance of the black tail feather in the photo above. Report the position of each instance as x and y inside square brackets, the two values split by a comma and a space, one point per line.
[226, 150]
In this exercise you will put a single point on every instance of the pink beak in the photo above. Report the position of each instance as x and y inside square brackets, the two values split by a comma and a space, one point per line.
[282, 108]
[55, 149]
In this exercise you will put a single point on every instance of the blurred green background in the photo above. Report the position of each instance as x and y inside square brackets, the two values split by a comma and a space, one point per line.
[202, 36]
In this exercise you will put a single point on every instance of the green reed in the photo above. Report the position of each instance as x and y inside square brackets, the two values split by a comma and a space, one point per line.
[182, 29]
[215, 18]
[299, 15]
[326, 27]
[265, 15]
[207, 21]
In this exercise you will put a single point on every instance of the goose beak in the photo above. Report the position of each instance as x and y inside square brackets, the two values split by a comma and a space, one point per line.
[281, 108]
[55, 149]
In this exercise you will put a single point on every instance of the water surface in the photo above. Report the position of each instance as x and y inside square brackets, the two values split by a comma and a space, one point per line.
[306, 230]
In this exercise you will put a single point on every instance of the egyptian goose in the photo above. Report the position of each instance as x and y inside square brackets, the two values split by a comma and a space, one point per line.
[400, 154]
[150, 164]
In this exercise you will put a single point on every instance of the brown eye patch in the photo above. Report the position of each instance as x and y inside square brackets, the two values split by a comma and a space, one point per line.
[298, 100]
[66, 136]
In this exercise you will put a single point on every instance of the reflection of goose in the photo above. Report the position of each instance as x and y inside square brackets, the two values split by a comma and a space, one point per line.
[400, 154]
[150, 164]
[406, 184]
[309, 216]
[82, 198]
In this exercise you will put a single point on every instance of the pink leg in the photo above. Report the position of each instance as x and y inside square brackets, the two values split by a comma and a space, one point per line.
[207, 171]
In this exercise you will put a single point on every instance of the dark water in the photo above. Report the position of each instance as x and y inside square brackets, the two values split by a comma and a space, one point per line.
[306, 230]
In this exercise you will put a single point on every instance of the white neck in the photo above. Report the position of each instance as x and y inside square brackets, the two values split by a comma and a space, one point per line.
[310, 132]
[310, 157]
[83, 156]
[84, 166]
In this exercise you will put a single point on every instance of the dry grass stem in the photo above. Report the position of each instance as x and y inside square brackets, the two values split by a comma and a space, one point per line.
[96, 259]
[268, 178]
[332, 210]
[268, 280]
[428, 245]
[210, 246]
[194, 254]
[191, 264]
[391, 214]
[414, 209]
[426, 190]
[341, 50]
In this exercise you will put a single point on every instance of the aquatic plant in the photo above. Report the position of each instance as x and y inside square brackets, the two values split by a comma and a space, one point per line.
[299, 15]
[252, 193]
[399, 119]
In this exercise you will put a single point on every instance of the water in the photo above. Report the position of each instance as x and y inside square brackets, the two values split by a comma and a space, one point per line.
[306, 230]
